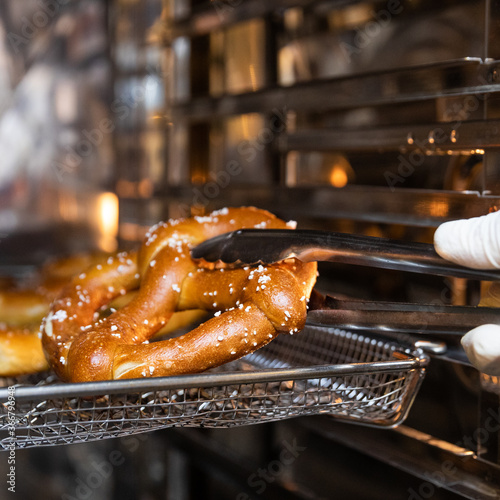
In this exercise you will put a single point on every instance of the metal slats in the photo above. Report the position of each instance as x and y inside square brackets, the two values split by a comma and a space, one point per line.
[463, 77]
[432, 138]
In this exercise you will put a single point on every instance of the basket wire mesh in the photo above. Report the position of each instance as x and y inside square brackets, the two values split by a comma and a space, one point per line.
[361, 379]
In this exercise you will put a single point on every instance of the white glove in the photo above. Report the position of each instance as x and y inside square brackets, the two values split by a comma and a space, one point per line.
[475, 243]
[472, 243]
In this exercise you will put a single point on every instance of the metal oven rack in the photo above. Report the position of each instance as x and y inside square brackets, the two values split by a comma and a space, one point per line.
[321, 371]
[441, 110]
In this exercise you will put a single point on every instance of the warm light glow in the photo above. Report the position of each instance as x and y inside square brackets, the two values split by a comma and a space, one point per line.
[198, 177]
[68, 206]
[490, 383]
[245, 126]
[145, 188]
[439, 208]
[107, 209]
[338, 177]
[253, 77]
[126, 189]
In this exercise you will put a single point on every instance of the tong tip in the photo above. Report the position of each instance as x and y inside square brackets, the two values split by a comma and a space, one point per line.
[220, 264]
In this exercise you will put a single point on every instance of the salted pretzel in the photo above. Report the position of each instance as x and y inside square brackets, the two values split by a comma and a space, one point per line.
[22, 309]
[21, 350]
[251, 305]
[21, 312]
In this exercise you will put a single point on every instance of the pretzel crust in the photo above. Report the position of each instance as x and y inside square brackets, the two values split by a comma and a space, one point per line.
[22, 311]
[21, 351]
[22, 307]
[252, 305]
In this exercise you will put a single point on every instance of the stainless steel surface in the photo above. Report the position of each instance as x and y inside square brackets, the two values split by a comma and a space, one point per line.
[398, 317]
[408, 89]
[438, 138]
[446, 465]
[208, 17]
[469, 76]
[266, 246]
[349, 376]
[376, 204]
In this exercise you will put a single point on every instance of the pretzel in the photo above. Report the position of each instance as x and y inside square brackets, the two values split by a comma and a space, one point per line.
[22, 311]
[251, 305]
[56, 273]
[21, 350]
[22, 307]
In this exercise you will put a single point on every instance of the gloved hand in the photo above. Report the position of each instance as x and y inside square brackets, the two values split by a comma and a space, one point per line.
[475, 243]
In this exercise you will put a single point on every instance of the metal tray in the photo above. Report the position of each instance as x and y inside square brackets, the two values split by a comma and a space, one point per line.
[361, 379]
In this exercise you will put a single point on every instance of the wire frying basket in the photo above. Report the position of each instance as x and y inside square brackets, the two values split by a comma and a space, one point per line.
[361, 379]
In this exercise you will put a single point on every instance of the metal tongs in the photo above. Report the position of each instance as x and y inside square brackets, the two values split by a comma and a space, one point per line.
[255, 246]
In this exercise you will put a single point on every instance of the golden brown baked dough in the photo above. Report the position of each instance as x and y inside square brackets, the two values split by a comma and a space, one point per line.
[22, 310]
[252, 305]
[22, 307]
[21, 351]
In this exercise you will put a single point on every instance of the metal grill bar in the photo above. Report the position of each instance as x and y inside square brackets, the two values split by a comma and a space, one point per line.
[468, 76]
[365, 381]
[436, 138]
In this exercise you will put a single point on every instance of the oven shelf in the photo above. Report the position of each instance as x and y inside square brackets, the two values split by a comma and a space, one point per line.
[356, 378]
[434, 138]
[220, 14]
[412, 207]
[467, 76]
